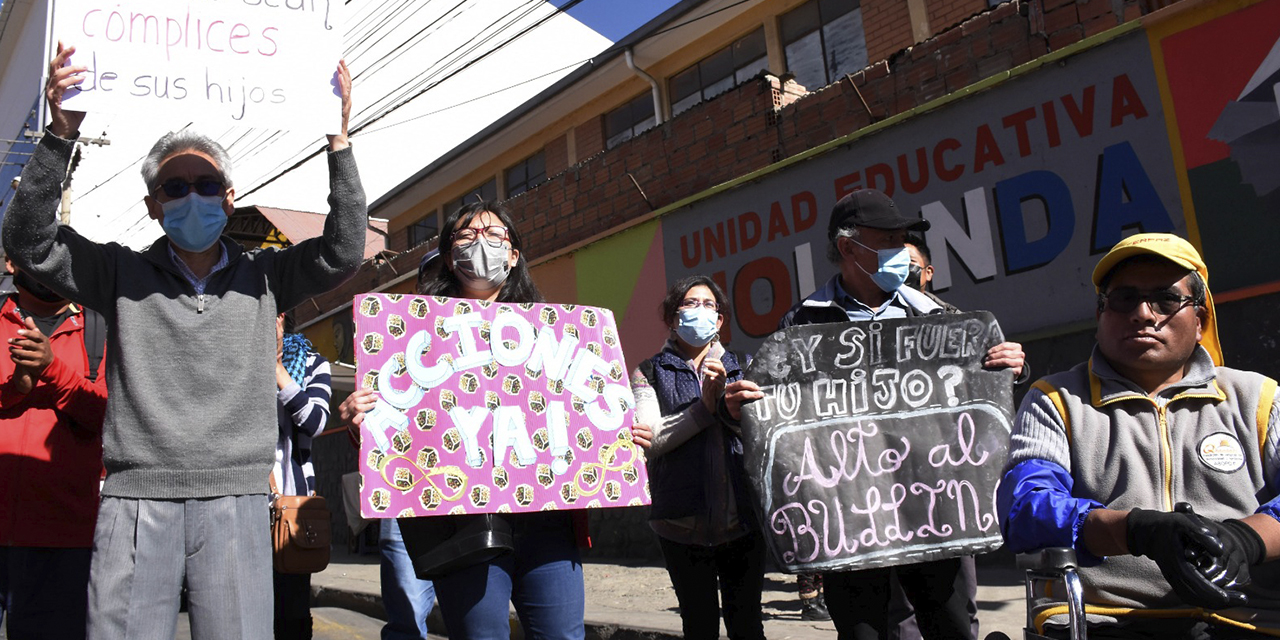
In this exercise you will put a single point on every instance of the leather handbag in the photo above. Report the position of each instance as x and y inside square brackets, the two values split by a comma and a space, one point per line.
[300, 532]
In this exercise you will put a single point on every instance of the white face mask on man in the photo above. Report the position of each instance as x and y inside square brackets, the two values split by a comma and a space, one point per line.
[482, 266]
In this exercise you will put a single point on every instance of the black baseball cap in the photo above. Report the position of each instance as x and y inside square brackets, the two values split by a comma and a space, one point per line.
[871, 208]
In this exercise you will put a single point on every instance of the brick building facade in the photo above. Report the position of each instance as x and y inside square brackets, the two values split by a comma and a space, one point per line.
[751, 126]
[758, 123]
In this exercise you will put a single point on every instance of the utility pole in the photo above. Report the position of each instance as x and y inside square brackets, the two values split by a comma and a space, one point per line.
[64, 211]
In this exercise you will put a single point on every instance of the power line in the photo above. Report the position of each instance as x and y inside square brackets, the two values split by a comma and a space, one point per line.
[481, 97]
[449, 59]
[417, 89]
[451, 74]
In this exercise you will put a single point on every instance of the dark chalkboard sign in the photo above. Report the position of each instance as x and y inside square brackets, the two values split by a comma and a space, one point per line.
[878, 443]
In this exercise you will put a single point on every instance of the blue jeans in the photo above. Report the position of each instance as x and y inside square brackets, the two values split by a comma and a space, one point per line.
[543, 578]
[407, 599]
[44, 592]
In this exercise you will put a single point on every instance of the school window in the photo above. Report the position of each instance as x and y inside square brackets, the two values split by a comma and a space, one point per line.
[526, 174]
[718, 72]
[823, 40]
[423, 230]
[483, 193]
[629, 120]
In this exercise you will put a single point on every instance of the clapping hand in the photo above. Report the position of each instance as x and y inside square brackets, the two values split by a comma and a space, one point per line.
[31, 355]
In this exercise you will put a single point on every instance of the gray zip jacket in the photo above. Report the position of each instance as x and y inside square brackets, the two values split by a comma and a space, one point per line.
[1210, 440]
[191, 410]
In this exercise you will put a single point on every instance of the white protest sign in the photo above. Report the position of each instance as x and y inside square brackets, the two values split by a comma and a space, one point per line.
[265, 63]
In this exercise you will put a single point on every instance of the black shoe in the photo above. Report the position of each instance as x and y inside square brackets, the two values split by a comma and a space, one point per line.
[814, 609]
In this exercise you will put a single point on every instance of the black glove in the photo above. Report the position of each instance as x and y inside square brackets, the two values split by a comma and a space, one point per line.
[1177, 542]
[1241, 548]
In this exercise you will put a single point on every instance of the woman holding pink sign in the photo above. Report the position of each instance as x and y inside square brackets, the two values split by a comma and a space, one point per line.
[481, 562]
[701, 506]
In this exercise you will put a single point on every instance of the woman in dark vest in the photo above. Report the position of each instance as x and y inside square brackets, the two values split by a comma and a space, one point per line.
[701, 510]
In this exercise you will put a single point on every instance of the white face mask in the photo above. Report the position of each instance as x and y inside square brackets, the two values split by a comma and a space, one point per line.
[697, 326]
[482, 266]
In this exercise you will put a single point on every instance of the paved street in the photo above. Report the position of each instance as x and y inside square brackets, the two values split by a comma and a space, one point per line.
[329, 624]
[636, 600]
[624, 601]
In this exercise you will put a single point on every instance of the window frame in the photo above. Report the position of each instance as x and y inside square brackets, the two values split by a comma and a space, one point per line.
[413, 230]
[637, 126]
[823, 22]
[528, 183]
[707, 89]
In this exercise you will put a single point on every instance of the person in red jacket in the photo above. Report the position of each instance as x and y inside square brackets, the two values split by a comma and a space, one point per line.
[50, 463]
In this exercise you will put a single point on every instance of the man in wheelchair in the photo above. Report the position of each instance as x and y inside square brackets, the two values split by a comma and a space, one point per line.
[1159, 466]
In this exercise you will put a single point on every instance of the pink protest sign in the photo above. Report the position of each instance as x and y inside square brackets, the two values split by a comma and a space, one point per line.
[492, 408]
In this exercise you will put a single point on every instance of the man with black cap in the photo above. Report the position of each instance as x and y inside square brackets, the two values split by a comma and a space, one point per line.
[1157, 464]
[867, 238]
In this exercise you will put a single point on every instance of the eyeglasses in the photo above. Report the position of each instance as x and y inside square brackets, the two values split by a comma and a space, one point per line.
[694, 303]
[493, 234]
[1162, 303]
[179, 188]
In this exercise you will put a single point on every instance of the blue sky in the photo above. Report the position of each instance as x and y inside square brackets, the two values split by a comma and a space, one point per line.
[614, 19]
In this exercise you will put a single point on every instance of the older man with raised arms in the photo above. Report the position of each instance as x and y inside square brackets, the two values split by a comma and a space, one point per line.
[190, 427]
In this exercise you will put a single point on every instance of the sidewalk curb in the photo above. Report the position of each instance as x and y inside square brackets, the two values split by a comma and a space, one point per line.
[363, 603]
[614, 631]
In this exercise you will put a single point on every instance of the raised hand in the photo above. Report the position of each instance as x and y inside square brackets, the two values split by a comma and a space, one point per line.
[340, 140]
[62, 76]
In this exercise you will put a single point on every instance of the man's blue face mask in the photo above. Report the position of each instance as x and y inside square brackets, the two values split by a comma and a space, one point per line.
[193, 223]
[895, 266]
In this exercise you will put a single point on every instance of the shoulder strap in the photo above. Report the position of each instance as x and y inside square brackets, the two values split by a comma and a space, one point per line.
[95, 338]
[1266, 398]
[1055, 396]
[646, 368]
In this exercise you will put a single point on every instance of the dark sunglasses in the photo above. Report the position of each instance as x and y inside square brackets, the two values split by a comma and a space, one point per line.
[1162, 303]
[179, 188]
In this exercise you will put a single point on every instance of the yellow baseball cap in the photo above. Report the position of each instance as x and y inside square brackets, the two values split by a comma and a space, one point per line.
[1178, 251]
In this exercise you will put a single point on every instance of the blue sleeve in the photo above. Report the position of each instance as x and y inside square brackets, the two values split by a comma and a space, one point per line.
[1271, 508]
[1037, 509]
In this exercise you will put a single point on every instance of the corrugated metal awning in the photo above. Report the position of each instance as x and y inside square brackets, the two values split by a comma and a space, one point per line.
[256, 226]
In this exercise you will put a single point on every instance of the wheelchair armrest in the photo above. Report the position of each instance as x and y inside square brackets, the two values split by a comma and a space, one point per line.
[1055, 564]
[1052, 559]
